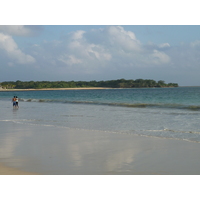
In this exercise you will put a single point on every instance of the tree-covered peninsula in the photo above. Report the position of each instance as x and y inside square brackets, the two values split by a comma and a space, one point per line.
[120, 83]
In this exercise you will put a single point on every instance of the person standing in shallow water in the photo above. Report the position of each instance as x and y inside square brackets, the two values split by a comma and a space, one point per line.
[14, 101]
[16, 98]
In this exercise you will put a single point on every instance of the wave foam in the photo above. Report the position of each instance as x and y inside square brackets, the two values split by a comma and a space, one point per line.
[131, 105]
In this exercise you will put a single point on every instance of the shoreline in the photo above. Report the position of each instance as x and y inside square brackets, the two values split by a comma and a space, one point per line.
[81, 88]
[89, 88]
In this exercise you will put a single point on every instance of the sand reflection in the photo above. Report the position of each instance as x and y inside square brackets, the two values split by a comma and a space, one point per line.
[54, 150]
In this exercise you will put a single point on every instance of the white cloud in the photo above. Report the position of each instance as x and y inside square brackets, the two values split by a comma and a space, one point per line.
[164, 45]
[159, 57]
[98, 51]
[102, 47]
[69, 59]
[78, 35]
[195, 43]
[15, 30]
[78, 51]
[19, 30]
[8, 45]
[122, 39]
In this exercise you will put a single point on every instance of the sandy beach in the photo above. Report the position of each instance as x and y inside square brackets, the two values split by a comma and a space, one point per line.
[86, 88]
[48, 150]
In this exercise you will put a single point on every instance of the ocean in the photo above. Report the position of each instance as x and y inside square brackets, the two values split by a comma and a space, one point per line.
[172, 113]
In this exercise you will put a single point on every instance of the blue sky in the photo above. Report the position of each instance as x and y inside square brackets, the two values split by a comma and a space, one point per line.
[100, 52]
[54, 53]
[173, 34]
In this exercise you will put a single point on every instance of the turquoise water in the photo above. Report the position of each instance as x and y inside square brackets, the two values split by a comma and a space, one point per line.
[153, 112]
[183, 97]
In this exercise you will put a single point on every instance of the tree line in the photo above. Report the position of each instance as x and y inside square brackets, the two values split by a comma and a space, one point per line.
[120, 83]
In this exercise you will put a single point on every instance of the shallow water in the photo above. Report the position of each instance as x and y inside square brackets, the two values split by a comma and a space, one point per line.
[154, 112]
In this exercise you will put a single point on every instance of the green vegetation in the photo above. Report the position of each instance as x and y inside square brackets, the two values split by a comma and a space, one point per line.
[120, 83]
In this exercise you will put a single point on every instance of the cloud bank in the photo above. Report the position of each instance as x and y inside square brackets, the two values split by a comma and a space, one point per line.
[12, 52]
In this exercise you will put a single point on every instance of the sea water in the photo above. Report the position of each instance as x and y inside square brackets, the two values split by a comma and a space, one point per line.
[172, 113]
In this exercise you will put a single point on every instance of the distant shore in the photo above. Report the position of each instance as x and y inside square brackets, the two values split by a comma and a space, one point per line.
[82, 88]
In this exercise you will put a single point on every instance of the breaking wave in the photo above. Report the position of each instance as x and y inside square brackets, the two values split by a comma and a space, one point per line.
[131, 105]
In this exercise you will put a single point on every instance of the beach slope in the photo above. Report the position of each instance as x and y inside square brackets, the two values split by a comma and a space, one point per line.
[39, 149]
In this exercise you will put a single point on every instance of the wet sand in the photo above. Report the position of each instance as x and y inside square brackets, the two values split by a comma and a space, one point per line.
[5, 170]
[48, 150]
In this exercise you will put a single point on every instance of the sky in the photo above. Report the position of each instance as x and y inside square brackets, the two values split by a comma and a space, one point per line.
[100, 49]
[97, 52]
